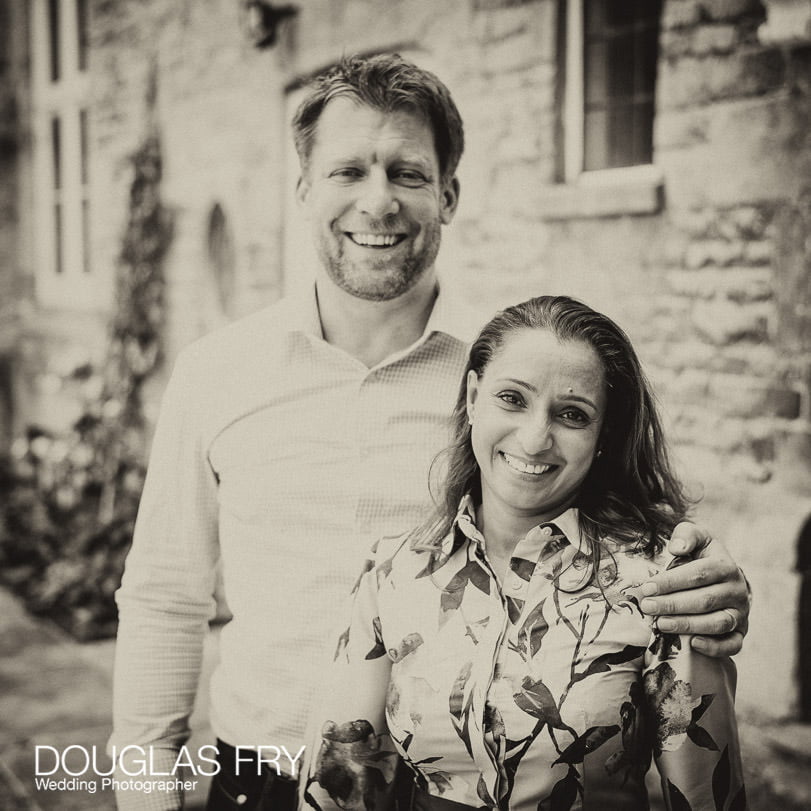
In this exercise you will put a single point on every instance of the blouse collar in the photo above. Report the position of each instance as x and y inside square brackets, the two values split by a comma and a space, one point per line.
[565, 529]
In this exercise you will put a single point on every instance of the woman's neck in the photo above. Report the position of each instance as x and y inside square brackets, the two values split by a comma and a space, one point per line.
[503, 528]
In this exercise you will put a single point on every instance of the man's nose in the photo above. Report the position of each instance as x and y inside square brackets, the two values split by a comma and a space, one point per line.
[377, 195]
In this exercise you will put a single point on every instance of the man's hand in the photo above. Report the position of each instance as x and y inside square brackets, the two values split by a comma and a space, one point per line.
[706, 595]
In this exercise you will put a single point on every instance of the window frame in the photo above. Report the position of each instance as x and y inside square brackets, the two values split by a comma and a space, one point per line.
[64, 276]
[574, 112]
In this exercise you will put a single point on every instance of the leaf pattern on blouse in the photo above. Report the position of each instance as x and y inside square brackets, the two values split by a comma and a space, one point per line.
[539, 692]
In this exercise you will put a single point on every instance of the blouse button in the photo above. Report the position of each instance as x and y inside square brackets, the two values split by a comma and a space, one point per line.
[517, 583]
[242, 799]
[546, 531]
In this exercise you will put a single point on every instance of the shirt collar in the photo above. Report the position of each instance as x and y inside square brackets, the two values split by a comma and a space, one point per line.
[567, 525]
[450, 317]
[300, 313]
[454, 318]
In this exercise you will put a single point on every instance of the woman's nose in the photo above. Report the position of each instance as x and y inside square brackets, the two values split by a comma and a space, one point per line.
[536, 436]
[377, 195]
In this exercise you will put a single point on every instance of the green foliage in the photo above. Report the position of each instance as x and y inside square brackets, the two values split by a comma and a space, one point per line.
[68, 502]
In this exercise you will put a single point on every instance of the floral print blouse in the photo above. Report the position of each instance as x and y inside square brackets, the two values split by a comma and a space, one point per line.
[535, 693]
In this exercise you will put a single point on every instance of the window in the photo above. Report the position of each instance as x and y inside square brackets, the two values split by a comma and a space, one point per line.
[62, 161]
[611, 56]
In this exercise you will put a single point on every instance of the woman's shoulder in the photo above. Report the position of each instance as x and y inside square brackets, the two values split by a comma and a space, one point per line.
[634, 563]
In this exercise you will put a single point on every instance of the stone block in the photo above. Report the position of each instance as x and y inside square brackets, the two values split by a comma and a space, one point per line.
[724, 322]
[745, 222]
[680, 13]
[691, 283]
[713, 39]
[744, 285]
[675, 43]
[760, 360]
[730, 9]
[693, 81]
[715, 252]
[746, 396]
[677, 129]
[753, 154]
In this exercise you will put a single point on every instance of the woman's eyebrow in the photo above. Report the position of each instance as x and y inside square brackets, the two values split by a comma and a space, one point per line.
[579, 398]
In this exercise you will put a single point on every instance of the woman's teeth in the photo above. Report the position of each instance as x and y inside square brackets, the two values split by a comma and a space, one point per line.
[522, 467]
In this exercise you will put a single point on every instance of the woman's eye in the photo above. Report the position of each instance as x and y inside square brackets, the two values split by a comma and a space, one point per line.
[510, 398]
[574, 416]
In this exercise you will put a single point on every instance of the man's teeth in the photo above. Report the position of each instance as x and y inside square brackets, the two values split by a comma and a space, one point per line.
[375, 239]
[522, 467]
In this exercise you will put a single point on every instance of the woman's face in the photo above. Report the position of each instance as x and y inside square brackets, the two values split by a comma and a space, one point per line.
[536, 414]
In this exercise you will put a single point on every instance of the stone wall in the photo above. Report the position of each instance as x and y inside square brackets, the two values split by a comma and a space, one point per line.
[706, 266]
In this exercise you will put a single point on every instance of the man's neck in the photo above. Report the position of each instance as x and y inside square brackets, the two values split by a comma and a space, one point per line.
[371, 331]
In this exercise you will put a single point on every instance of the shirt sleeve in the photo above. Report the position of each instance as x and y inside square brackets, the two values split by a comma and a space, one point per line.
[691, 699]
[166, 595]
[353, 761]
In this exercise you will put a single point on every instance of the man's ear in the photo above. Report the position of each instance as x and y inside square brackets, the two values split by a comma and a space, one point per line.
[472, 393]
[449, 201]
[302, 190]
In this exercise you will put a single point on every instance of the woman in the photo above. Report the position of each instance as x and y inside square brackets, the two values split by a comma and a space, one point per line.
[498, 650]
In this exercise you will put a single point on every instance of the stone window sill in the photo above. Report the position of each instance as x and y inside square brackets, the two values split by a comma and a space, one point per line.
[606, 193]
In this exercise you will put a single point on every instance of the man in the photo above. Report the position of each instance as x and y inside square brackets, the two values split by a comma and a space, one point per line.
[289, 441]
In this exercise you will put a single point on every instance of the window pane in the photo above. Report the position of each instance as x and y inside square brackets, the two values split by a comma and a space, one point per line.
[620, 135]
[83, 144]
[643, 133]
[617, 12]
[620, 49]
[56, 152]
[82, 27]
[620, 66]
[58, 259]
[86, 236]
[596, 75]
[595, 140]
[53, 37]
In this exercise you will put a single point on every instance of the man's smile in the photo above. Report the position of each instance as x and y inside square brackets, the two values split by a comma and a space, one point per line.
[375, 240]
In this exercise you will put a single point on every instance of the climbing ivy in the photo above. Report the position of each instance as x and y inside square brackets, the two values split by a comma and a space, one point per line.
[69, 500]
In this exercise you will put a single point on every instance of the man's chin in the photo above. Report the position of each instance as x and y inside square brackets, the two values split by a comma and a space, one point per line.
[377, 284]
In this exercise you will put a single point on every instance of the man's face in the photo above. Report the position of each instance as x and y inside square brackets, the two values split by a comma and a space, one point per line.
[374, 198]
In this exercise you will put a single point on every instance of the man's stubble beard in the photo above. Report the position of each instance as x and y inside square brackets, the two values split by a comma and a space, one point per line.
[382, 282]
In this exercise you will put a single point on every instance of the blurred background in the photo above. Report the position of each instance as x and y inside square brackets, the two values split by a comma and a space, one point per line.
[652, 157]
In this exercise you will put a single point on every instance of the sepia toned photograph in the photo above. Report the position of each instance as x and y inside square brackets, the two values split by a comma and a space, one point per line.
[405, 405]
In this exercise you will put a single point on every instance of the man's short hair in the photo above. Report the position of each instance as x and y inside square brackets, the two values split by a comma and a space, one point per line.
[388, 83]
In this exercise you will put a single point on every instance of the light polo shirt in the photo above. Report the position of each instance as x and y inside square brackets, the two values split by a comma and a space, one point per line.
[286, 458]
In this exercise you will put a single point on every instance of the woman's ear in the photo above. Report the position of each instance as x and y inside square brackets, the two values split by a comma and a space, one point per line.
[472, 393]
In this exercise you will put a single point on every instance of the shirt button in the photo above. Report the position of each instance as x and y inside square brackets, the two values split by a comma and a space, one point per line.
[546, 531]
[242, 799]
[517, 583]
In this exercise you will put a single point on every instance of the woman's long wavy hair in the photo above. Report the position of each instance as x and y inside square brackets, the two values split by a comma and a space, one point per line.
[630, 494]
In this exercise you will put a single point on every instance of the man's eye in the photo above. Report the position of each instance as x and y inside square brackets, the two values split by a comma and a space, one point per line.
[409, 177]
[346, 173]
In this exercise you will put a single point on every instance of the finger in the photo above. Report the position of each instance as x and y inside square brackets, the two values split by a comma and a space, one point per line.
[695, 574]
[698, 601]
[716, 623]
[687, 538]
[718, 646]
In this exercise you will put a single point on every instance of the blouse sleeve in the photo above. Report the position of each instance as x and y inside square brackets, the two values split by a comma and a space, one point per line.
[695, 737]
[353, 760]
